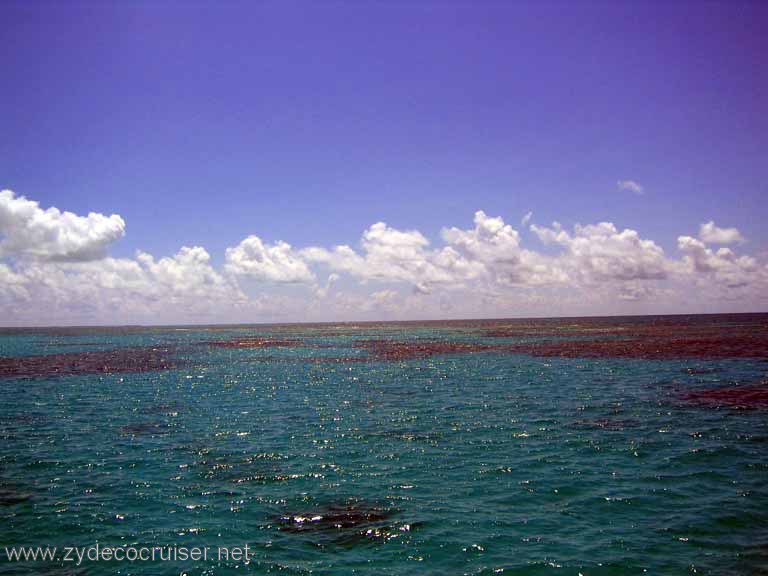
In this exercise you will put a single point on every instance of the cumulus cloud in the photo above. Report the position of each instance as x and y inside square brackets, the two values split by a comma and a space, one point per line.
[392, 255]
[723, 266]
[490, 239]
[599, 252]
[385, 299]
[488, 253]
[631, 186]
[142, 289]
[322, 291]
[189, 273]
[636, 291]
[26, 230]
[712, 234]
[387, 302]
[492, 251]
[54, 268]
[271, 263]
[12, 285]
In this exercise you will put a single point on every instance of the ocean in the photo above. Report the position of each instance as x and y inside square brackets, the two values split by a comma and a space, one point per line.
[594, 446]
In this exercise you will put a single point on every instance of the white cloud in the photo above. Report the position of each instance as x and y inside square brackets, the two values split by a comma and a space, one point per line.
[183, 287]
[54, 269]
[275, 263]
[492, 251]
[12, 285]
[488, 253]
[637, 291]
[490, 240]
[187, 274]
[631, 186]
[29, 231]
[553, 235]
[385, 299]
[385, 302]
[526, 219]
[723, 265]
[711, 234]
[391, 255]
[599, 252]
[322, 291]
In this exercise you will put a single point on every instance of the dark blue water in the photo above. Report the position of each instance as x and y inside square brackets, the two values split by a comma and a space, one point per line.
[458, 463]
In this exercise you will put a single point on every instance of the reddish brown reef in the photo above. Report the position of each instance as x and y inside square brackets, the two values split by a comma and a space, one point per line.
[741, 397]
[134, 359]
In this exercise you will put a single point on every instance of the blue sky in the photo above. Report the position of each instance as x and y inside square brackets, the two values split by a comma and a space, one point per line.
[203, 123]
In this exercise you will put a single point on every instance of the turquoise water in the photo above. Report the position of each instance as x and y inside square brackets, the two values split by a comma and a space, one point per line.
[475, 463]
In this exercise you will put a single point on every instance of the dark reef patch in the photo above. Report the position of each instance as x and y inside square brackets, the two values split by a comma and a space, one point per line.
[668, 347]
[345, 524]
[384, 350]
[539, 331]
[739, 397]
[352, 515]
[129, 359]
[662, 347]
[662, 338]
[12, 494]
[23, 419]
[652, 338]
[388, 350]
[12, 497]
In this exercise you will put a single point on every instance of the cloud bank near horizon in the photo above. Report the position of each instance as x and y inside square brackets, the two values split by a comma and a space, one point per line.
[55, 268]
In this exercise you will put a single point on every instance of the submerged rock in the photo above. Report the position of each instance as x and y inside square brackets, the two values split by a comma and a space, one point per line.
[346, 524]
[336, 517]
[8, 498]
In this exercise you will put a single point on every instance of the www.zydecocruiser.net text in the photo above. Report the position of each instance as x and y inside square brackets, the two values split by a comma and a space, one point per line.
[78, 555]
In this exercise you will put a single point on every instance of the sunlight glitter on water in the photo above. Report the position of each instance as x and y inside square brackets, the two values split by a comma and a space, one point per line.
[449, 450]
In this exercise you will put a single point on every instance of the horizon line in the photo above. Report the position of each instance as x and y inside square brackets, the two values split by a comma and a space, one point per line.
[370, 322]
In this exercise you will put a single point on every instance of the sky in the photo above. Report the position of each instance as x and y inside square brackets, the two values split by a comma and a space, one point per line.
[201, 162]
